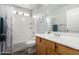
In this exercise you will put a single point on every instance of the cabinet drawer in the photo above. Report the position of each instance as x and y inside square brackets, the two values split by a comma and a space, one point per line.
[65, 50]
[38, 49]
[51, 52]
[50, 44]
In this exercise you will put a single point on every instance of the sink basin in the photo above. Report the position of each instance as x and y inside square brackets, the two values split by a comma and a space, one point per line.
[57, 36]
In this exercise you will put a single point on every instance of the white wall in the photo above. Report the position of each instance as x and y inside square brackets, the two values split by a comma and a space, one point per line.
[73, 20]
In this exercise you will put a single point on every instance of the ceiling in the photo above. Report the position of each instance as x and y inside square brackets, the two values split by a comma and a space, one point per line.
[37, 8]
[29, 6]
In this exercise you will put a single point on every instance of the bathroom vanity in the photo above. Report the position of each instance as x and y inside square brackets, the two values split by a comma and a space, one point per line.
[51, 45]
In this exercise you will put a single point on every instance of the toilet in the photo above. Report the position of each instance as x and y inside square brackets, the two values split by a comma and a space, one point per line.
[31, 46]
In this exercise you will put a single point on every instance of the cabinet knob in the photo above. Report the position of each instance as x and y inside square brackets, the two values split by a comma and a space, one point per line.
[40, 40]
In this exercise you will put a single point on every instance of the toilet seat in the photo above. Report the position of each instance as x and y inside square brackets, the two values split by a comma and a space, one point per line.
[30, 43]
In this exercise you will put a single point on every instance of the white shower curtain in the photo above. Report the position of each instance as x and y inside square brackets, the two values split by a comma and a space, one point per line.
[7, 14]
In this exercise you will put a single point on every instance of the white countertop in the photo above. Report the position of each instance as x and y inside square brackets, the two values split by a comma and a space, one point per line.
[71, 42]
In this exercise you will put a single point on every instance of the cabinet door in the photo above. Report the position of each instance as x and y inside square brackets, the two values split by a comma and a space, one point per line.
[51, 52]
[38, 49]
[43, 49]
[65, 50]
[50, 45]
[40, 46]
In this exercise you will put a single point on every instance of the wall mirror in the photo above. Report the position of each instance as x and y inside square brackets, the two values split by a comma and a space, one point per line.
[64, 19]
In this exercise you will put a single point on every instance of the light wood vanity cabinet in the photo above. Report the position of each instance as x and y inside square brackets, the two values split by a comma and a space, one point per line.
[46, 47]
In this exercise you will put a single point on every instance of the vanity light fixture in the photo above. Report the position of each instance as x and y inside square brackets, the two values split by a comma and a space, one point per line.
[26, 14]
[15, 12]
[20, 13]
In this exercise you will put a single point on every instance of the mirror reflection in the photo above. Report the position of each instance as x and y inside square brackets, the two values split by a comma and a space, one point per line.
[60, 17]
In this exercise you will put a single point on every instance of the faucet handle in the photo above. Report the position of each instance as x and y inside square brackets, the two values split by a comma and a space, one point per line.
[49, 32]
